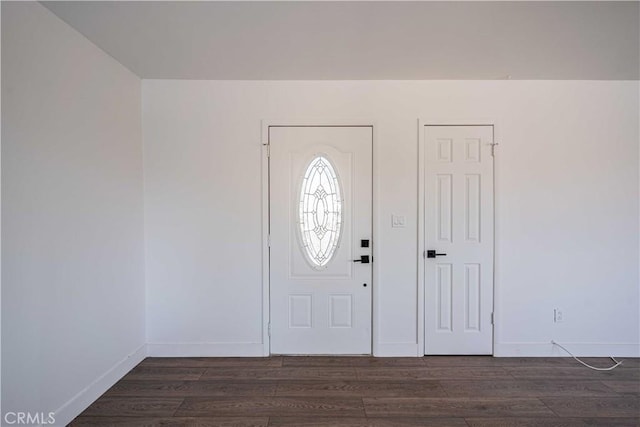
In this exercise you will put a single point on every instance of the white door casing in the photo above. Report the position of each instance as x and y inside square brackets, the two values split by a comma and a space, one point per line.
[320, 305]
[458, 222]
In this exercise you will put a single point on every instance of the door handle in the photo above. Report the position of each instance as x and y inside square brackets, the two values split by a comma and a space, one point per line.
[432, 254]
[363, 259]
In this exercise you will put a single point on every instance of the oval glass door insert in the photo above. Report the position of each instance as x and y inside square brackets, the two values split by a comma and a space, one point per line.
[320, 212]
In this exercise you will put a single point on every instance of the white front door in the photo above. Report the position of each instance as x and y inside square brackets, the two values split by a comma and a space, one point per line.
[458, 239]
[320, 183]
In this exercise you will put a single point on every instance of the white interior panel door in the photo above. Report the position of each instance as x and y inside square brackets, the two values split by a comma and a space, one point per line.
[320, 227]
[458, 239]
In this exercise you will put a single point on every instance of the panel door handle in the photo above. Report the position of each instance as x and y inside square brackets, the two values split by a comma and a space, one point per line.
[432, 254]
[363, 259]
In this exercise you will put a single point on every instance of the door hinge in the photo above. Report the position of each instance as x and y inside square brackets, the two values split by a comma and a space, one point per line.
[269, 329]
[268, 150]
[269, 240]
[493, 149]
[492, 318]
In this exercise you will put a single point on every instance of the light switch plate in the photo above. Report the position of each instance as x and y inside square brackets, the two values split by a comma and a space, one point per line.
[398, 221]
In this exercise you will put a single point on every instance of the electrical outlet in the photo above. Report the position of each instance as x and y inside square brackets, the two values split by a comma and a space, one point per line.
[558, 315]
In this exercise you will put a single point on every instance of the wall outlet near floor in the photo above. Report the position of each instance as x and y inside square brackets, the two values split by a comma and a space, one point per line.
[558, 315]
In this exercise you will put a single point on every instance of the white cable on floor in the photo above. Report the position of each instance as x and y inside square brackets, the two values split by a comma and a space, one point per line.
[586, 364]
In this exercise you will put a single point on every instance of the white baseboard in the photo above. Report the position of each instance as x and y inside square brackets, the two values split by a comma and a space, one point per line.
[409, 349]
[580, 349]
[81, 401]
[205, 349]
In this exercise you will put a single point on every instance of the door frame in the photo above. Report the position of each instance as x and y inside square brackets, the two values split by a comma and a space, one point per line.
[422, 123]
[266, 124]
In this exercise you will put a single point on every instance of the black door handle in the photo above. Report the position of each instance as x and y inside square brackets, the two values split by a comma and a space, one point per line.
[432, 254]
[363, 259]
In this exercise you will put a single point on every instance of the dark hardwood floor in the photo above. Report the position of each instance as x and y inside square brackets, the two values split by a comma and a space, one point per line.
[438, 391]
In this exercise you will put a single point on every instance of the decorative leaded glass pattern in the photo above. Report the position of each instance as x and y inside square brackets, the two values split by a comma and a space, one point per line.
[320, 211]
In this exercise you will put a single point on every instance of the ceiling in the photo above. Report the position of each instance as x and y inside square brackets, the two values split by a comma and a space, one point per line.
[364, 40]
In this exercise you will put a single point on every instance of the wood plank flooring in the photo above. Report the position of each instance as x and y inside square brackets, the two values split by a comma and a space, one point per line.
[442, 391]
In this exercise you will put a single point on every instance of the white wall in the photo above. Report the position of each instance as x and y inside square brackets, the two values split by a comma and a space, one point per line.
[72, 216]
[567, 207]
